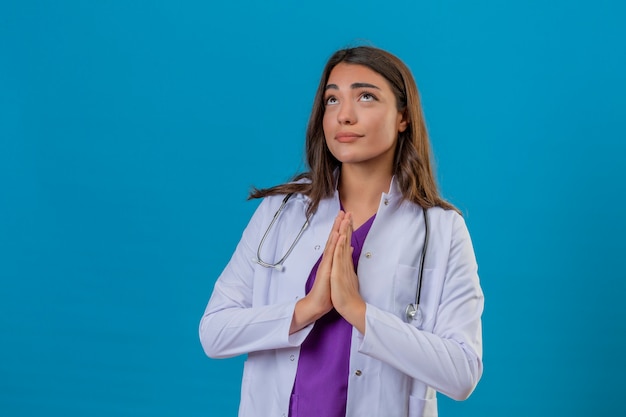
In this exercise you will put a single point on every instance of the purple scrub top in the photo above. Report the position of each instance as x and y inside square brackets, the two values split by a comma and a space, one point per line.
[321, 384]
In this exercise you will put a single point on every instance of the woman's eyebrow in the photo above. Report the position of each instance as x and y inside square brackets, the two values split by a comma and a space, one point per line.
[352, 86]
[363, 85]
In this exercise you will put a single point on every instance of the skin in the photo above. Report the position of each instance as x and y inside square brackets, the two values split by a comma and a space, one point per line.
[361, 124]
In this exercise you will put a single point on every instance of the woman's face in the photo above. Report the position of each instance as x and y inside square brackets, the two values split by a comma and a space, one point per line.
[361, 120]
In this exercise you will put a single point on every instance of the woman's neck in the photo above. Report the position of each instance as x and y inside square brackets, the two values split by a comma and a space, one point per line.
[360, 191]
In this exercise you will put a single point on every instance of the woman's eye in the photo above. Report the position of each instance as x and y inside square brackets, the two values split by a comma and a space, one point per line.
[331, 100]
[367, 97]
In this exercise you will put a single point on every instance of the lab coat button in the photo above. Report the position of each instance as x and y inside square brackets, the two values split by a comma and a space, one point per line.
[292, 358]
[317, 247]
[368, 255]
[358, 372]
[386, 201]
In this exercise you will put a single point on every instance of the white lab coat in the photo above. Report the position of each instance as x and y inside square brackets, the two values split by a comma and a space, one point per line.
[396, 367]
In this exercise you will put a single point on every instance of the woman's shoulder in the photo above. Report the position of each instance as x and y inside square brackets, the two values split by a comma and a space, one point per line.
[435, 212]
[440, 218]
[446, 214]
[291, 194]
[449, 222]
[301, 180]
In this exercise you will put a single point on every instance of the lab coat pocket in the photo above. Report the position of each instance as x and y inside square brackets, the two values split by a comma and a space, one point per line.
[420, 407]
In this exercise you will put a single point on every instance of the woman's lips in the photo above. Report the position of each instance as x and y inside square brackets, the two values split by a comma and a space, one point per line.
[345, 137]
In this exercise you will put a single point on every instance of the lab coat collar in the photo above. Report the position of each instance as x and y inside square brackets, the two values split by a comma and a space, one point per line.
[394, 194]
[394, 187]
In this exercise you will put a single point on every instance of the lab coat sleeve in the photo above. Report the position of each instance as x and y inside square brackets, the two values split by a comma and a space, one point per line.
[231, 325]
[450, 358]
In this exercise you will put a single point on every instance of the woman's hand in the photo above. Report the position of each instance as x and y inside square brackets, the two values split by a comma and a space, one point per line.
[344, 283]
[318, 301]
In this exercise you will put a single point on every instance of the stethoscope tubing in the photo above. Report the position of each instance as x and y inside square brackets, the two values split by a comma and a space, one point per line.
[412, 309]
[278, 265]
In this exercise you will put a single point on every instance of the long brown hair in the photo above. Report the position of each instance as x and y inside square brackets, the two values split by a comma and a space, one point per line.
[412, 162]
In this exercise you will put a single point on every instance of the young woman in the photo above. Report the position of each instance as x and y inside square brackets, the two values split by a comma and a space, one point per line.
[354, 289]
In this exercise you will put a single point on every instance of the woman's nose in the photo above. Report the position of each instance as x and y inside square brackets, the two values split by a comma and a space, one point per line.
[346, 114]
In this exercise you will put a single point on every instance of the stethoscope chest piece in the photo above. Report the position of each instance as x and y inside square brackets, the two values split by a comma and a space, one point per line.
[413, 313]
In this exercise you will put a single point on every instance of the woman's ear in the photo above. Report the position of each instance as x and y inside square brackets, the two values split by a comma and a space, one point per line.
[403, 121]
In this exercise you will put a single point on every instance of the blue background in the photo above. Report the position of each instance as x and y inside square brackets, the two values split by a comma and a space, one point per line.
[130, 133]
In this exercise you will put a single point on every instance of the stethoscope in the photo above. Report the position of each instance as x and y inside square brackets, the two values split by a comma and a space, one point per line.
[411, 309]
[278, 265]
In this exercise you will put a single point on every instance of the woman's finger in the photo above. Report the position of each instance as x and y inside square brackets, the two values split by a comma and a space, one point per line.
[331, 243]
